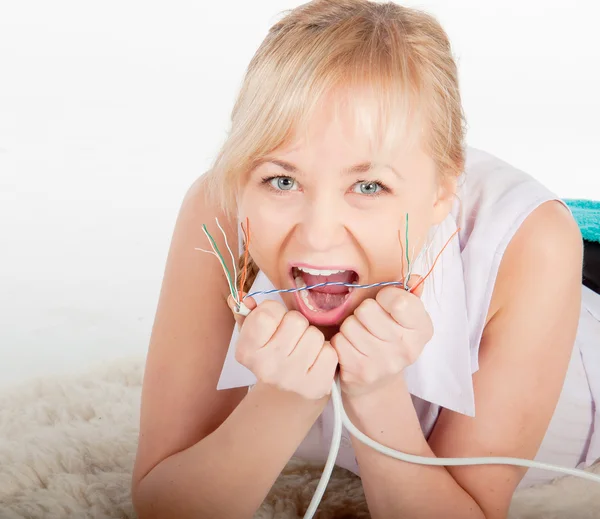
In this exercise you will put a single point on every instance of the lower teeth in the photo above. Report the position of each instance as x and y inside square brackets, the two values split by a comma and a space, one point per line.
[304, 293]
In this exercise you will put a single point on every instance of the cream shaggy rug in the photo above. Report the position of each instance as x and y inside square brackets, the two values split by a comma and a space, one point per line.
[67, 446]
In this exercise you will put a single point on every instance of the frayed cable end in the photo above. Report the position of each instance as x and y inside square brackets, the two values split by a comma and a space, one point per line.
[242, 309]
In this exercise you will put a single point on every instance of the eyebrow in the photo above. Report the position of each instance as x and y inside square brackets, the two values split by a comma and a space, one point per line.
[362, 167]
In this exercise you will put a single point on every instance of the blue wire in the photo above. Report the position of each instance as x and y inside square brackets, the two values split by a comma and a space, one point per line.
[339, 283]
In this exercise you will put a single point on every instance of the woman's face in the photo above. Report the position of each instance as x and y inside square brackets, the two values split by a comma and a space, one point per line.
[316, 208]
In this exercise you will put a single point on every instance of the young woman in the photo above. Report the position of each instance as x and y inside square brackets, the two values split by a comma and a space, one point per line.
[346, 162]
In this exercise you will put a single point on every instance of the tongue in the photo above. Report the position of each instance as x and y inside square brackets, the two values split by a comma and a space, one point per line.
[325, 301]
[340, 277]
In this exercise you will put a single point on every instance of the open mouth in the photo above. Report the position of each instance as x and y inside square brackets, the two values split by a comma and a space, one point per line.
[323, 305]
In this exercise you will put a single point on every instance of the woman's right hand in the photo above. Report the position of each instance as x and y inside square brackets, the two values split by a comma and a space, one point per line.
[282, 349]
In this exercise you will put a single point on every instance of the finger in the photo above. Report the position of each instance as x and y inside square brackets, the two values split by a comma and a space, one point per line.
[405, 308]
[307, 349]
[249, 303]
[359, 337]
[288, 334]
[376, 320]
[349, 357]
[262, 323]
[325, 363]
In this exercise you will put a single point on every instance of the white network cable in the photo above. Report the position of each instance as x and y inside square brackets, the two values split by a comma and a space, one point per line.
[340, 417]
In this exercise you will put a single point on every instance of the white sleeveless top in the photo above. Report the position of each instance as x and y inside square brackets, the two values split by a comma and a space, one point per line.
[496, 198]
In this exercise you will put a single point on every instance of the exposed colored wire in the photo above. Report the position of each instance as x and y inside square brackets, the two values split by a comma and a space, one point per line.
[424, 250]
[435, 261]
[407, 258]
[246, 247]
[411, 267]
[328, 283]
[245, 240]
[401, 259]
[208, 251]
[215, 248]
[229, 249]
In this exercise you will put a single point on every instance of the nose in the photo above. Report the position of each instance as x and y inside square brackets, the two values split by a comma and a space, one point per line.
[322, 227]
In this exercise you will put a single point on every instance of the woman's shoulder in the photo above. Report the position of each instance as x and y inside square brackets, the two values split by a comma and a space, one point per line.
[547, 243]
[494, 199]
[499, 204]
[496, 195]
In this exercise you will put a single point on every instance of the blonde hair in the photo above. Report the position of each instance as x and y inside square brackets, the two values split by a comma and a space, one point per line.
[392, 65]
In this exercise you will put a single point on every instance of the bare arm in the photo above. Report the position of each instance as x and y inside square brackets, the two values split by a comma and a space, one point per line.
[229, 473]
[199, 447]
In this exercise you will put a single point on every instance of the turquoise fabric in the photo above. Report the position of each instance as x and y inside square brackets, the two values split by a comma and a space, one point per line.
[587, 215]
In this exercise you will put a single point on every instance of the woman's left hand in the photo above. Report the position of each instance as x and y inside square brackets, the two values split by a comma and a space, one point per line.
[382, 337]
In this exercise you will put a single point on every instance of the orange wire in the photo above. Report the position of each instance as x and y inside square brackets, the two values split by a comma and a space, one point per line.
[245, 236]
[244, 273]
[435, 261]
[242, 277]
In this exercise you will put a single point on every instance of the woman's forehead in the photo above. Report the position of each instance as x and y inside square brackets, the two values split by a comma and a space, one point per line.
[357, 126]
[355, 151]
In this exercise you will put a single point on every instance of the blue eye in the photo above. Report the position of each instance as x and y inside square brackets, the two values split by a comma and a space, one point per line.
[280, 183]
[369, 188]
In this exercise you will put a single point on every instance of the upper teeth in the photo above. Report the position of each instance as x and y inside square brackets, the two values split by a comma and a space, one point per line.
[317, 272]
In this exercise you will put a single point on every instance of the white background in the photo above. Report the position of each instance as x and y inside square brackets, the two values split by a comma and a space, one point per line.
[109, 111]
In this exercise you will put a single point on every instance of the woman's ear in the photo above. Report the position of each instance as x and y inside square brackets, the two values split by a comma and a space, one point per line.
[446, 192]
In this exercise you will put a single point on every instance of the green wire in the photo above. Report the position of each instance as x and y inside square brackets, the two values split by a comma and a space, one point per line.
[407, 258]
[231, 285]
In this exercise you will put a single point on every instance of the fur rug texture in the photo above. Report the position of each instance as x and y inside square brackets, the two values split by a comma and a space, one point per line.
[67, 447]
